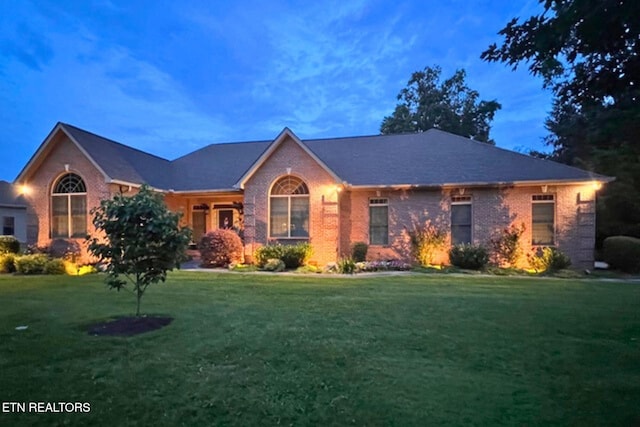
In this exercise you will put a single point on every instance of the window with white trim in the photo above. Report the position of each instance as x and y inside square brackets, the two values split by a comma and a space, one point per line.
[8, 226]
[461, 218]
[543, 207]
[69, 207]
[289, 208]
[378, 221]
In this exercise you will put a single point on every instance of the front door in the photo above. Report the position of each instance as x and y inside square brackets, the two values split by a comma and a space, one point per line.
[199, 225]
[225, 218]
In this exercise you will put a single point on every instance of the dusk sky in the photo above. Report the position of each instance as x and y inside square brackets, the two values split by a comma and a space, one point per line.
[170, 77]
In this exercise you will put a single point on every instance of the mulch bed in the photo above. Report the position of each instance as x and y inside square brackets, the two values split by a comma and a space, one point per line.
[129, 326]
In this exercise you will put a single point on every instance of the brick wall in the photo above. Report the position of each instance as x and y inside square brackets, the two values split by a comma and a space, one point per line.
[61, 152]
[323, 202]
[492, 210]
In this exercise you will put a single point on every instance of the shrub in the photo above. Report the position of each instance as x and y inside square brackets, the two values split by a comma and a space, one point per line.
[7, 263]
[467, 256]
[31, 264]
[274, 264]
[293, 256]
[9, 245]
[68, 250]
[425, 241]
[622, 253]
[359, 251]
[54, 266]
[347, 266]
[219, 248]
[505, 248]
[308, 269]
[548, 259]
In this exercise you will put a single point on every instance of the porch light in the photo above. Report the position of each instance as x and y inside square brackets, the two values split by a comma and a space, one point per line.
[597, 185]
[24, 189]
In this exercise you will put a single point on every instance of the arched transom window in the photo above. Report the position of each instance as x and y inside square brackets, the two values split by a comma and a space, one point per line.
[289, 208]
[69, 207]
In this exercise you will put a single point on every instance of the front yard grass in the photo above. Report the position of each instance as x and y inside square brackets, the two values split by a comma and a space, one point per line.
[273, 350]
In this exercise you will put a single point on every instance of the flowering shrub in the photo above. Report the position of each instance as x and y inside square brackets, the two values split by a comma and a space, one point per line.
[505, 248]
[391, 265]
[426, 239]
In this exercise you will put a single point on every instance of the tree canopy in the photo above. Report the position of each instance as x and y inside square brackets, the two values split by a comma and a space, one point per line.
[588, 53]
[451, 106]
[141, 240]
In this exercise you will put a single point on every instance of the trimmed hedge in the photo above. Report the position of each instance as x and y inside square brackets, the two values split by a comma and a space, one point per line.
[219, 248]
[293, 256]
[31, 264]
[359, 251]
[469, 257]
[622, 253]
[9, 245]
[7, 263]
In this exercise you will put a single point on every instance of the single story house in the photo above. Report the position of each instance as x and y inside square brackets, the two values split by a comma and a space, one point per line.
[329, 192]
[13, 212]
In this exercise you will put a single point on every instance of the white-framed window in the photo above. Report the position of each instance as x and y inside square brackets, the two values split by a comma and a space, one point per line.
[289, 208]
[461, 219]
[379, 221]
[69, 207]
[543, 214]
[8, 226]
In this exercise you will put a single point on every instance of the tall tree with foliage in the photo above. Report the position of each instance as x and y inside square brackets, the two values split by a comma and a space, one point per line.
[451, 106]
[588, 53]
[141, 240]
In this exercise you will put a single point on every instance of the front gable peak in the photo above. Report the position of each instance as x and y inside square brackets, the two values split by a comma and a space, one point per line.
[286, 134]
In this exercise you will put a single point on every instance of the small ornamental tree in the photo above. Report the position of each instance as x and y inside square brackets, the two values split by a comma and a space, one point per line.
[142, 240]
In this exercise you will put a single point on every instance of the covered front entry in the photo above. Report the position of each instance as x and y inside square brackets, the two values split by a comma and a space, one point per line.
[199, 222]
[207, 212]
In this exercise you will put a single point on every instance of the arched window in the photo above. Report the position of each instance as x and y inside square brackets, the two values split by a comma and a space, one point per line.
[289, 208]
[69, 207]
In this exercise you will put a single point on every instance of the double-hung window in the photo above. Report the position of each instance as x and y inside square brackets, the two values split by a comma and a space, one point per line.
[543, 220]
[379, 221]
[460, 219]
[8, 226]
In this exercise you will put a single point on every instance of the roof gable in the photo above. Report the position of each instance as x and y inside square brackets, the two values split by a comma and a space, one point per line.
[46, 147]
[121, 162]
[286, 133]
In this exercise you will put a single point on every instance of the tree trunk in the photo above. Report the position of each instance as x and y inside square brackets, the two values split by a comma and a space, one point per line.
[139, 295]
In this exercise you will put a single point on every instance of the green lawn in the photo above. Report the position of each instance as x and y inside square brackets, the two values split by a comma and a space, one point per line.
[277, 350]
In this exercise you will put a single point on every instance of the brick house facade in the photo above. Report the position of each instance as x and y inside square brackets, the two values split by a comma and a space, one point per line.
[346, 190]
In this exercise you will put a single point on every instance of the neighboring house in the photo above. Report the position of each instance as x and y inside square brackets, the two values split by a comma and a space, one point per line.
[329, 192]
[13, 212]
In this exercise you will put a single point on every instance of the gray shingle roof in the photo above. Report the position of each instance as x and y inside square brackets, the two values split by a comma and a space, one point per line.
[434, 158]
[120, 161]
[9, 195]
[216, 166]
[431, 158]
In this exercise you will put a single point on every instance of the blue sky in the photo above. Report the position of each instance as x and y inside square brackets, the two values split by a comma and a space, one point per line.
[170, 77]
